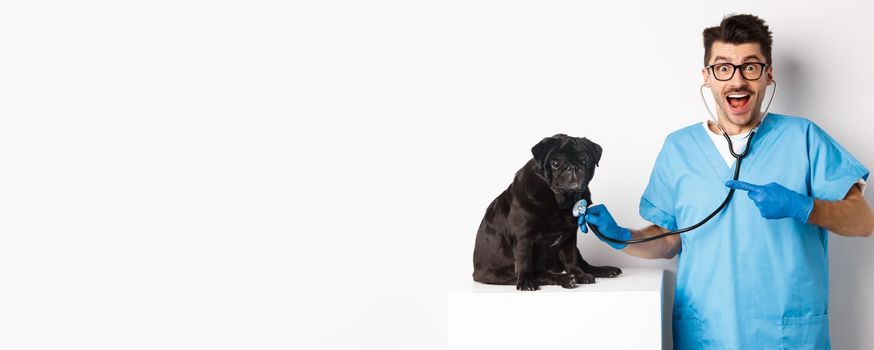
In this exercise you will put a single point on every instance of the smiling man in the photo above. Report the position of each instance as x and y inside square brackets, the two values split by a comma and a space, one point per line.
[756, 275]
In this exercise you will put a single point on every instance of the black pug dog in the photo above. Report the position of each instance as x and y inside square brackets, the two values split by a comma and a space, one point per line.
[528, 236]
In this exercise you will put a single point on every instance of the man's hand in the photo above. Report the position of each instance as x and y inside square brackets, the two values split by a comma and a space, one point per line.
[598, 216]
[775, 201]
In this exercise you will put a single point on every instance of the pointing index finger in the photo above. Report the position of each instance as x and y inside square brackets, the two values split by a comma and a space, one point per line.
[740, 185]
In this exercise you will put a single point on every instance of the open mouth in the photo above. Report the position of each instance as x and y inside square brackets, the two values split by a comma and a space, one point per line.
[738, 102]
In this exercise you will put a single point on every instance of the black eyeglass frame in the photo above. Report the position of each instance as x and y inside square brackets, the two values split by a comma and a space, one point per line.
[735, 67]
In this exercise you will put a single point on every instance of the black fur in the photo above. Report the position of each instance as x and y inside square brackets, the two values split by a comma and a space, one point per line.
[528, 235]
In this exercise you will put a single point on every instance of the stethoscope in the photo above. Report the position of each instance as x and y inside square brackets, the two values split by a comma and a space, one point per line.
[579, 209]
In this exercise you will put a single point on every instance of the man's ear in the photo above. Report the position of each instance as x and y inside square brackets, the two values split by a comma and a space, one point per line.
[596, 150]
[706, 77]
[541, 149]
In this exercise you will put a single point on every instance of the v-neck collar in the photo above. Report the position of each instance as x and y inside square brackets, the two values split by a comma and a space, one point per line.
[717, 163]
[705, 143]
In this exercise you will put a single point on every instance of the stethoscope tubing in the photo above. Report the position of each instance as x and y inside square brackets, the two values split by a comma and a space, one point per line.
[739, 158]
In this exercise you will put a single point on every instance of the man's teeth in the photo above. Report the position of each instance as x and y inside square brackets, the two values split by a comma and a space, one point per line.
[738, 95]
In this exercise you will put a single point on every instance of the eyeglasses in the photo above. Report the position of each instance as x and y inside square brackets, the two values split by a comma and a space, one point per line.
[725, 71]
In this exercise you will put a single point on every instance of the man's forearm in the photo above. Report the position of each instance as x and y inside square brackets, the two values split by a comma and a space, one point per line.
[848, 217]
[662, 248]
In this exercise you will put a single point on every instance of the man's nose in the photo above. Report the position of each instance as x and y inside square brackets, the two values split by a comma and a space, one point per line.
[737, 80]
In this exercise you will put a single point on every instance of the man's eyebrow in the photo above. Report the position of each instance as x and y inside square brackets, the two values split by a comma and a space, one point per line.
[726, 59]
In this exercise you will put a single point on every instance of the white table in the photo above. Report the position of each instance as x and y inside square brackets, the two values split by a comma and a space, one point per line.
[614, 313]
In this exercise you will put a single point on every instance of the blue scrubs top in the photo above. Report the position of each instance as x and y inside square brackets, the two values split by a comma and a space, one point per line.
[743, 281]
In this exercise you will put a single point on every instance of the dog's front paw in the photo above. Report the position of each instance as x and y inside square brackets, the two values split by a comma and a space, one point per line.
[585, 278]
[526, 284]
[567, 281]
[605, 271]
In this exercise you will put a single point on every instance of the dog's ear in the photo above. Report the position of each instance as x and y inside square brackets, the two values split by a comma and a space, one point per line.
[596, 150]
[541, 150]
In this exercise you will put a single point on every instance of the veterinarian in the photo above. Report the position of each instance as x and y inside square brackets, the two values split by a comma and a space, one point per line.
[756, 275]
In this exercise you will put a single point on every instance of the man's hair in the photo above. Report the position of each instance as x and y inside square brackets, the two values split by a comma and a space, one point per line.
[736, 30]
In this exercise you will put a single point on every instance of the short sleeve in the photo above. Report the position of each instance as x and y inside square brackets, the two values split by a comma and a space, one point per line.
[657, 202]
[833, 170]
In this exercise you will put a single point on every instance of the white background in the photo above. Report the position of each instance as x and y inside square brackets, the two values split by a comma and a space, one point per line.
[311, 175]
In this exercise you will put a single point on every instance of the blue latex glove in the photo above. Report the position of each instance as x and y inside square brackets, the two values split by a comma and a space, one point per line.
[599, 217]
[775, 201]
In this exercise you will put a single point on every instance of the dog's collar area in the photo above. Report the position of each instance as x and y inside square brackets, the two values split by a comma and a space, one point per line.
[565, 199]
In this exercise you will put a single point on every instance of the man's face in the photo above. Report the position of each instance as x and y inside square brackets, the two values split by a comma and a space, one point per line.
[740, 100]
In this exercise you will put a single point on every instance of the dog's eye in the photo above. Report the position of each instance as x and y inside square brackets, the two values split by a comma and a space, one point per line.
[555, 163]
[585, 163]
